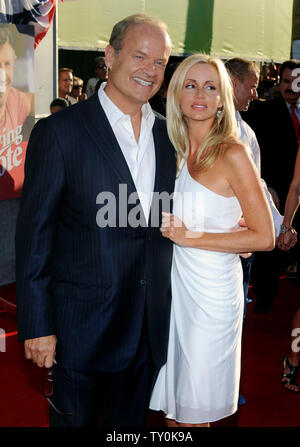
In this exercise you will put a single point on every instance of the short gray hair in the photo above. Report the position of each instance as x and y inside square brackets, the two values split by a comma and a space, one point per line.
[120, 28]
[241, 68]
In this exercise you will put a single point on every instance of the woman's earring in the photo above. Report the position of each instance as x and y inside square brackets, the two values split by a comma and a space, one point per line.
[219, 111]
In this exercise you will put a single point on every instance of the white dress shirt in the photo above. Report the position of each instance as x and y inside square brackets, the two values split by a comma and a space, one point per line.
[248, 138]
[140, 156]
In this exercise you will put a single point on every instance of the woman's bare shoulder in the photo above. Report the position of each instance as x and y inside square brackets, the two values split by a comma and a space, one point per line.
[233, 148]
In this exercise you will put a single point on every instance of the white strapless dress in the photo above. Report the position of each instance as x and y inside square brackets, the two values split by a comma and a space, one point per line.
[200, 381]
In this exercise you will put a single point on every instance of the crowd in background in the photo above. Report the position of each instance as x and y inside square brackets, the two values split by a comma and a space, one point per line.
[72, 89]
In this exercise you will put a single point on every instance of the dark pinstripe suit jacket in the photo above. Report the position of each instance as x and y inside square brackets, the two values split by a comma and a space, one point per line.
[89, 285]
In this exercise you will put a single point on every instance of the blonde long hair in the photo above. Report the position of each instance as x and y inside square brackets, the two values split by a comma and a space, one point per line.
[223, 126]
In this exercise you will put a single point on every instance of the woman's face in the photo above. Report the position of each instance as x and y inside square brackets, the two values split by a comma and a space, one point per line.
[200, 97]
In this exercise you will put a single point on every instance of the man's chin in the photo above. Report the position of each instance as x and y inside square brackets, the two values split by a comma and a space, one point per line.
[291, 98]
[244, 108]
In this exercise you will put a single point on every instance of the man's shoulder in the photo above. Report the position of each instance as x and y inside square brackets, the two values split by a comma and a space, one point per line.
[159, 117]
[271, 104]
[160, 124]
[244, 125]
[92, 81]
[79, 109]
[263, 112]
[71, 117]
[247, 133]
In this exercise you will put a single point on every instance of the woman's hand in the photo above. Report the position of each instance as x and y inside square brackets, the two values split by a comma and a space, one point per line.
[174, 229]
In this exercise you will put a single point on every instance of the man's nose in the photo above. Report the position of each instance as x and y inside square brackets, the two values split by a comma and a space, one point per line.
[254, 94]
[151, 68]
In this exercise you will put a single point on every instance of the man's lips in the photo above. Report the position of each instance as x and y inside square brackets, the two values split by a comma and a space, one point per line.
[143, 82]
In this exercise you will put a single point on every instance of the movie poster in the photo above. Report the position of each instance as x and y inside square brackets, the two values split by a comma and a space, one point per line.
[16, 104]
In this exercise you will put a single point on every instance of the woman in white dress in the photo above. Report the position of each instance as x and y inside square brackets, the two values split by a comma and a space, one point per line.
[216, 184]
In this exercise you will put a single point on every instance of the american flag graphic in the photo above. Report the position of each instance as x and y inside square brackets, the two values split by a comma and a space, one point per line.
[39, 13]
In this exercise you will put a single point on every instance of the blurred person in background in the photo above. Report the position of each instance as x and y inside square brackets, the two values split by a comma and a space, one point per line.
[77, 89]
[58, 104]
[65, 85]
[100, 72]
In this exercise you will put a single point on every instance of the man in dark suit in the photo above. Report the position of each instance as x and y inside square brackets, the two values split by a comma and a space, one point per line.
[93, 271]
[277, 135]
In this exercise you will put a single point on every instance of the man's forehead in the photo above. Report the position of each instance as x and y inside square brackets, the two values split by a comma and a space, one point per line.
[252, 77]
[65, 75]
[148, 29]
[290, 73]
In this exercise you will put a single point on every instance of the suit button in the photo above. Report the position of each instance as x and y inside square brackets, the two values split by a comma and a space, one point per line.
[143, 282]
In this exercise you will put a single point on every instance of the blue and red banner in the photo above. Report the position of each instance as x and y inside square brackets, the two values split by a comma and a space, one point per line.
[38, 13]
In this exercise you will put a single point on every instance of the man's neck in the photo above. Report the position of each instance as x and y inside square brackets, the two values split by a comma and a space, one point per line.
[126, 106]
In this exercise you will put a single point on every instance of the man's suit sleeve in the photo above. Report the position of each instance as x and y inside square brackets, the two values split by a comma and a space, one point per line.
[277, 217]
[36, 231]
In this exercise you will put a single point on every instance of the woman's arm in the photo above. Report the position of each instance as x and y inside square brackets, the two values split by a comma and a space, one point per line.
[291, 206]
[243, 179]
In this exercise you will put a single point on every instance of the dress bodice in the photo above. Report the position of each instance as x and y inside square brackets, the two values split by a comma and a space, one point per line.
[202, 209]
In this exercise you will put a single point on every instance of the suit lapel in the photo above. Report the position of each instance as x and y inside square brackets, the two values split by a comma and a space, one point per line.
[99, 129]
[158, 155]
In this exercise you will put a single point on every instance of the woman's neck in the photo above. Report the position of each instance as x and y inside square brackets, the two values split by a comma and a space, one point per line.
[197, 131]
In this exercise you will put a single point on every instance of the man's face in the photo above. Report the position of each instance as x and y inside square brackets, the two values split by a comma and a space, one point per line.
[137, 71]
[101, 70]
[7, 60]
[245, 91]
[286, 87]
[65, 83]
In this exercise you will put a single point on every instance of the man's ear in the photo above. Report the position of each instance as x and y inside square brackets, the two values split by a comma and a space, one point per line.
[109, 56]
[234, 81]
